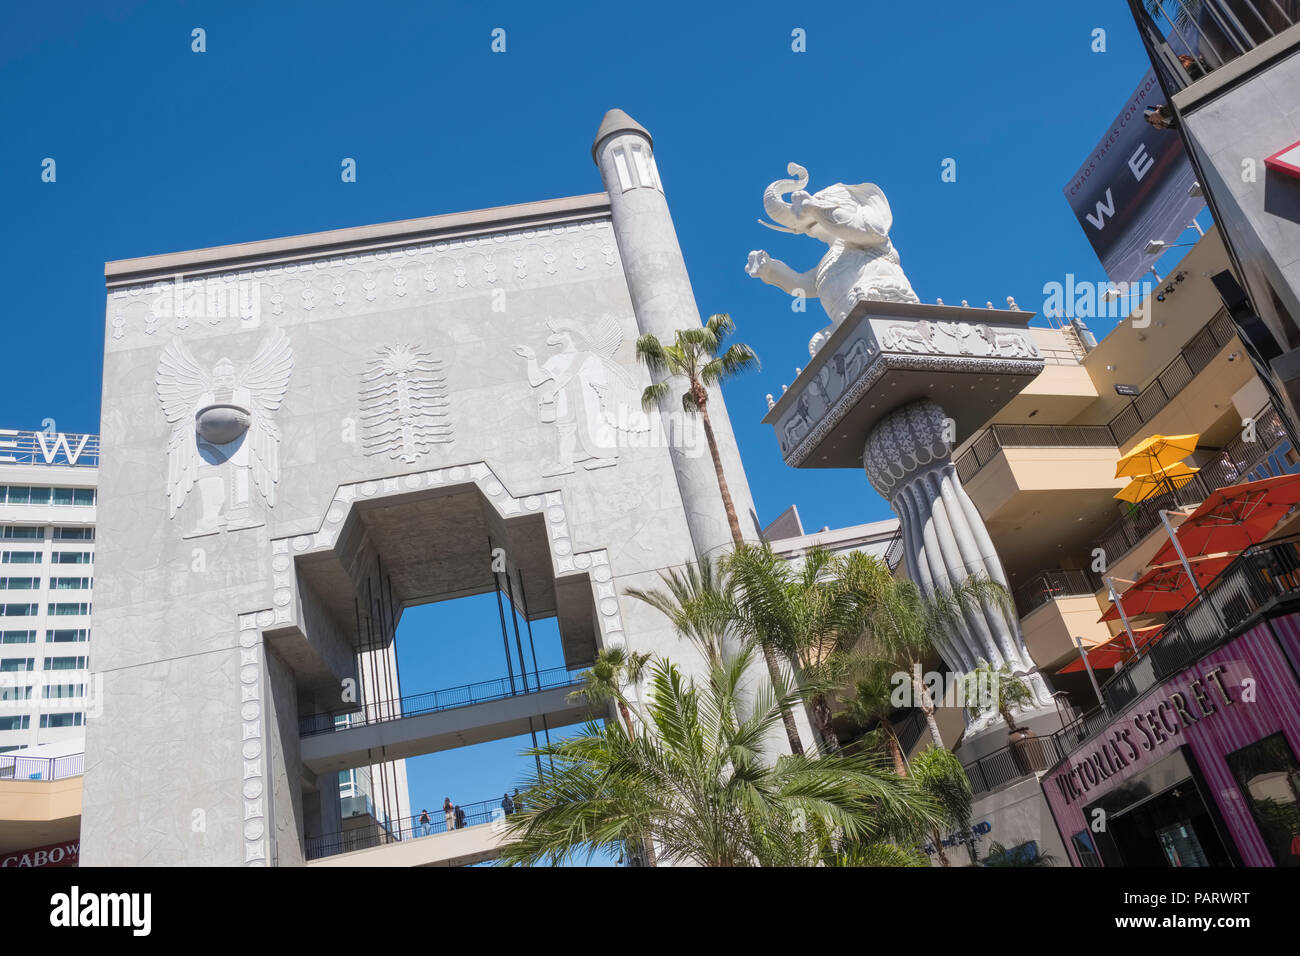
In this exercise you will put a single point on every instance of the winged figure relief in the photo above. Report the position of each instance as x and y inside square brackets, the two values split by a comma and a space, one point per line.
[591, 400]
[224, 441]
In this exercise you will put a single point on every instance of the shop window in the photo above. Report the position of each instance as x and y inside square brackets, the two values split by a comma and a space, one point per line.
[1084, 849]
[1269, 778]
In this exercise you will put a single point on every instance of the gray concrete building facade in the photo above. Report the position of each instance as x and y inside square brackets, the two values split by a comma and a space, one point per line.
[304, 436]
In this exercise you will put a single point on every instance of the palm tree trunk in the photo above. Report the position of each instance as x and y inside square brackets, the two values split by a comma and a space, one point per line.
[647, 842]
[822, 712]
[927, 708]
[938, 848]
[895, 751]
[787, 716]
[727, 504]
[773, 670]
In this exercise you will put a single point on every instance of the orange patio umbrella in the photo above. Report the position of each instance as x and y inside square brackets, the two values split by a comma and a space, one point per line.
[1163, 590]
[1155, 454]
[1113, 652]
[1234, 518]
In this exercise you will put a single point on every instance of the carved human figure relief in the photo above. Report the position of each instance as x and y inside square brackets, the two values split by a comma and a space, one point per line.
[589, 398]
[860, 264]
[224, 442]
[403, 400]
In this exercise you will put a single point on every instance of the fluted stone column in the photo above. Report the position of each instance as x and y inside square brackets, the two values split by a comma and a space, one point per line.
[908, 460]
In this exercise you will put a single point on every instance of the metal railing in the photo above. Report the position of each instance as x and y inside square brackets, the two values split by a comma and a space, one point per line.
[1047, 586]
[1192, 358]
[894, 553]
[375, 834]
[994, 438]
[1235, 462]
[1193, 38]
[1014, 762]
[1225, 607]
[15, 767]
[415, 705]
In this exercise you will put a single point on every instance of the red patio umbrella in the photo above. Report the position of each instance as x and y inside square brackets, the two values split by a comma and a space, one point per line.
[1114, 652]
[1164, 590]
[1233, 518]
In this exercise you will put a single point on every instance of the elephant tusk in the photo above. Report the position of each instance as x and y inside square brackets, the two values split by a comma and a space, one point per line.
[778, 228]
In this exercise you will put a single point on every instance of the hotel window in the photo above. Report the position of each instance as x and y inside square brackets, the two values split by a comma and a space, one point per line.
[71, 557]
[74, 534]
[15, 723]
[59, 691]
[23, 534]
[66, 610]
[67, 635]
[20, 584]
[19, 610]
[16, 693]
[1269, 778]
[11, 748]
[20, 557]
[11, 665]
[60, 720]
[65, 664]
[69, 584]
[17, 637]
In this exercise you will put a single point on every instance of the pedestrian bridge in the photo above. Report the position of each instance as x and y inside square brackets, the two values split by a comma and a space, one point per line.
[414, 844]
[442, 720]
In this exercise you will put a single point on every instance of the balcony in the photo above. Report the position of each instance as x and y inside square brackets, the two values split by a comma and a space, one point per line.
[1191, 40]
[1238, 461]
[1055, 608]
[1261, 578]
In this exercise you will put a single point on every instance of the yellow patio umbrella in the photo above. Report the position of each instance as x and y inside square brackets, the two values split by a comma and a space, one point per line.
[1154, 454]
[1144, 486]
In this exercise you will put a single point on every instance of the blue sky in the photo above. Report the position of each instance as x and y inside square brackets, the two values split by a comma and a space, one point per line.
[161, 149]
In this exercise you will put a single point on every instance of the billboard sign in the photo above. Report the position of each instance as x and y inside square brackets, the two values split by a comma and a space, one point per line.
[1134, 188]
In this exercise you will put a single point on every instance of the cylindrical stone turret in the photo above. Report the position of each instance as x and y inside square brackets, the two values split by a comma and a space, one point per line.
[664, 303]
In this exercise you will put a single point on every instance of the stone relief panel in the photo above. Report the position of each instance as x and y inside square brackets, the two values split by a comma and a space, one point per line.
[376, 280]
[591, 401]
[956, 338]
[224, 444]
[826, 390]
[403, 399]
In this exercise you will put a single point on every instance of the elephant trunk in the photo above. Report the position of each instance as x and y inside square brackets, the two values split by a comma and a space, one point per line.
[777, 208]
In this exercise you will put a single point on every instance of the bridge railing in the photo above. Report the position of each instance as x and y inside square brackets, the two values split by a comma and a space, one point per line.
[375, 834]
[15, 767]
[415, 705]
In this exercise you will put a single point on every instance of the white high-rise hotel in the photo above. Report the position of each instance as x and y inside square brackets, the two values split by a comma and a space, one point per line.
[47, 567]
[47, 561]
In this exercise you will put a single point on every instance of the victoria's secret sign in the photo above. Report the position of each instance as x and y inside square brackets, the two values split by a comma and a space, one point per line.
[1144, 731]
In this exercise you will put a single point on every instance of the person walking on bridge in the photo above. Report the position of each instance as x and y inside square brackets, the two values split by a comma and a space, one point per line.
[449, 812]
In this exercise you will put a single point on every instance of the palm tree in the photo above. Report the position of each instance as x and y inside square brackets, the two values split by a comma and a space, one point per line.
[872, 703]
[700, 783]
[999, 688]
[941, 774]
[804, 613]
[696, 355]
[699, 603]
[907, 626]
[614, 669]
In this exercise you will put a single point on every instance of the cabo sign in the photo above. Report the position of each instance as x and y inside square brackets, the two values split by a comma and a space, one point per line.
[1153, 726]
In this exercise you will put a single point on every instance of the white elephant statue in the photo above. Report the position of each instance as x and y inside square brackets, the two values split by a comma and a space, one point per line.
[861, 263]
